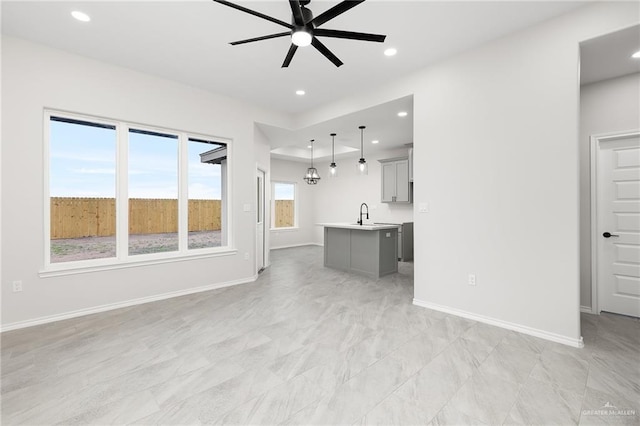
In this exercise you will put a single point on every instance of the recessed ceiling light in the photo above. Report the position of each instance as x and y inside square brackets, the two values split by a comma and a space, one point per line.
[308, 146]
[636, 55]
[402, 114]
[300, 92]
[80, 16]
[390, 51]
[375, 141]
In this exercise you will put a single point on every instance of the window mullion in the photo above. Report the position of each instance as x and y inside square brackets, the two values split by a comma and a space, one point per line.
[183, 193]
[122, 197]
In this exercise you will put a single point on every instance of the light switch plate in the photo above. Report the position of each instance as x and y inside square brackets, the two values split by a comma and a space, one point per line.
[247, 207]
[423, 207]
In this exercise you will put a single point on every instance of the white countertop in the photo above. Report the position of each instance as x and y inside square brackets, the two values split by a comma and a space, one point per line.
[365, 227]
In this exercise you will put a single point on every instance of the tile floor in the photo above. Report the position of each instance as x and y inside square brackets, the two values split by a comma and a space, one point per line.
[309, 345]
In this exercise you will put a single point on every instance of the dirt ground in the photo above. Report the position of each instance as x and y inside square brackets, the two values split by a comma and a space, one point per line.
[70, 249]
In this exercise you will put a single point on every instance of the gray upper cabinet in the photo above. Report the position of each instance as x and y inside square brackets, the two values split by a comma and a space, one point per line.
[395, 180]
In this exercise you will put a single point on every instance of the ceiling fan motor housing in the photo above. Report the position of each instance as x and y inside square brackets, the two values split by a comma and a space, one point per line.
[307, 16]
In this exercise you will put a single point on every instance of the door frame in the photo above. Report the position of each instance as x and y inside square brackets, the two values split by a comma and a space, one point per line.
[266, 217]
[596, 140]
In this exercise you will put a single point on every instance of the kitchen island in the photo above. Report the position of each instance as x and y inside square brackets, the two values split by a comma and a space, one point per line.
[370, 250]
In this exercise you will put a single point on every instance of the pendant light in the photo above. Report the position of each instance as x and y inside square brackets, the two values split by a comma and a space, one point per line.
[333, 168]
[312, 177]
[363, 168]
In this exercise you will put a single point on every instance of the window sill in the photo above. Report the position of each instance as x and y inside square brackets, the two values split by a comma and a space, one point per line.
[61, 269]
[289, 229]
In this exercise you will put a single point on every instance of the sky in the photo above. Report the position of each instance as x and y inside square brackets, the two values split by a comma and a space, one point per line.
[83, 164]
[284, 191]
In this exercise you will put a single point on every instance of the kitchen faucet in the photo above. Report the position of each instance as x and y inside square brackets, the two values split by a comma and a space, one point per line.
[360, 220]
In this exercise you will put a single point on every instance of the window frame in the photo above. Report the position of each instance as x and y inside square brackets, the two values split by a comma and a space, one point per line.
[123, 259]
[273, 206]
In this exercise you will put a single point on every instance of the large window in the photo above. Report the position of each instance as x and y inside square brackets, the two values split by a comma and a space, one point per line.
[120, 192]
[284, 205]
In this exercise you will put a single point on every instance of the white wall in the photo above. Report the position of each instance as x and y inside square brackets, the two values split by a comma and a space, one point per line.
[605, 107]
[293, 171]
[496, 137]
[339, 199]
[35, 77]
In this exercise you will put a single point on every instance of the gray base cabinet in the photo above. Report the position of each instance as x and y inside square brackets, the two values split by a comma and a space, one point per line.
[373, 253]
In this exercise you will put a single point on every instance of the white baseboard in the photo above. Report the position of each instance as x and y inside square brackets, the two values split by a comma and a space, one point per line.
[296, 245]
[118, 305]
[586, 309]
[576, 343]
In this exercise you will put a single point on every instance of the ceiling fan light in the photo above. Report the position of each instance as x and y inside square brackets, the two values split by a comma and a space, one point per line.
[301, 38]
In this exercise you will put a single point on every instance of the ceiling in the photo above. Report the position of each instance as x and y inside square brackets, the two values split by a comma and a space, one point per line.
[609, 56]
[382, 124]
[187, 41]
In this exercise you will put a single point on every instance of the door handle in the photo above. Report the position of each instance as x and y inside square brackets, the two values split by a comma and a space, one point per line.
[609, 235]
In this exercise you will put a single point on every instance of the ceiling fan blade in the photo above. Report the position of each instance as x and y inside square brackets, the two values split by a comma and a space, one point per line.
[335, 11]
[267, 37]
[326, 52]
[297, 12]
[351, 35]
[290, 53]
[254, 13]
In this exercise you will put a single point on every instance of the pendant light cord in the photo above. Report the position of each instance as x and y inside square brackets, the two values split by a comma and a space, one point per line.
[362, 141]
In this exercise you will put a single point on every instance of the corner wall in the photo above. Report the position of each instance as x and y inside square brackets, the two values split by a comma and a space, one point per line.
[605, 107]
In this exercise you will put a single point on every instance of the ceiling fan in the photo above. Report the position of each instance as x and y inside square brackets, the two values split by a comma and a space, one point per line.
[304, 30]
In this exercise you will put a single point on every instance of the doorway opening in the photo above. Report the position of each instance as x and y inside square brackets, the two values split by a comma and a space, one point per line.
[610, 173]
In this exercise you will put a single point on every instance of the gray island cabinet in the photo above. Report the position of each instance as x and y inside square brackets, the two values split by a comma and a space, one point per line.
[370, 250]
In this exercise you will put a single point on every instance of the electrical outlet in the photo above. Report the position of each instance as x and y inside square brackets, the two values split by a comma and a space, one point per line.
[17, 286]
[472, 279]
[246, 256]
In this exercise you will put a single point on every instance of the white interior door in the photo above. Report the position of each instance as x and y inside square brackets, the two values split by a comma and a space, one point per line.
[618, 224]
[260, 249]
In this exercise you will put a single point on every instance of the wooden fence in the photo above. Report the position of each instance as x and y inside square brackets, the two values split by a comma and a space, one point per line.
[284, 214]
[96, 217]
